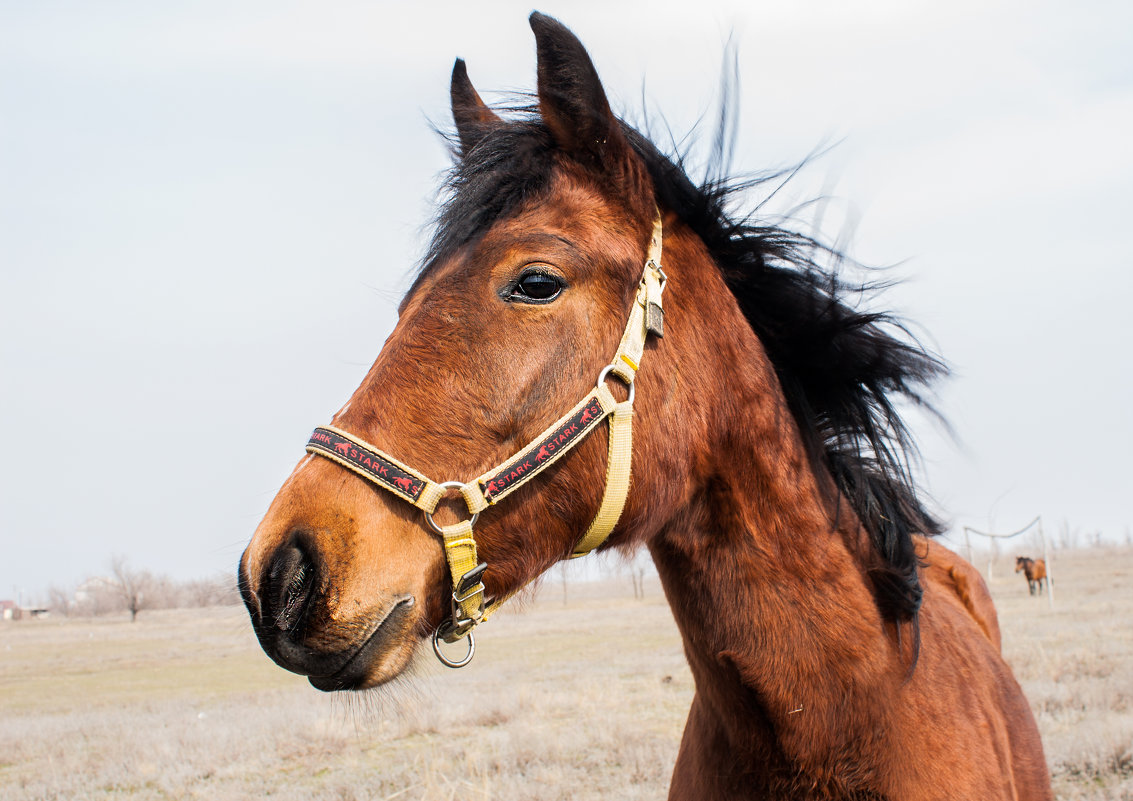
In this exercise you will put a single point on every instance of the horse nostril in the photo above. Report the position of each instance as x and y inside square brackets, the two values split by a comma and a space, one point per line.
[290, 585]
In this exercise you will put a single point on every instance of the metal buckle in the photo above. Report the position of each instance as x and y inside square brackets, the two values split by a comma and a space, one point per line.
[459, 621]
[470, 581]
[664, 278]
[458, 627]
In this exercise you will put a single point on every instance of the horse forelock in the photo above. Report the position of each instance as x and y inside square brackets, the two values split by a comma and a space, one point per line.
[509, 165]
[843, 370]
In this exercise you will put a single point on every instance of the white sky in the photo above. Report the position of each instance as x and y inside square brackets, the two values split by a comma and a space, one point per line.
[208, 212]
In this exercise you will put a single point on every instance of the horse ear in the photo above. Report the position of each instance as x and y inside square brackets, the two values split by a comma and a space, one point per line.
[571, 98]
[472, 116]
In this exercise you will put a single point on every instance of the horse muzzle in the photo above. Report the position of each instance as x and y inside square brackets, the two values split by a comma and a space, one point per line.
[293, 622]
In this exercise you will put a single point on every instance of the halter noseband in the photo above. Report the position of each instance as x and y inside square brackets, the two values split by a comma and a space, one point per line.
[469, 606]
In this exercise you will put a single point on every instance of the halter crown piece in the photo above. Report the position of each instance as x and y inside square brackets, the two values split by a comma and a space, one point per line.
[469, 606]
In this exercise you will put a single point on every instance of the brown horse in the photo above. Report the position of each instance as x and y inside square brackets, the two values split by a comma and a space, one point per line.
[1034, 570]
[836, 652]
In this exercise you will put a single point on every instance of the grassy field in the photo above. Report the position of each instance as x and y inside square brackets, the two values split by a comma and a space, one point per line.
[583, 701]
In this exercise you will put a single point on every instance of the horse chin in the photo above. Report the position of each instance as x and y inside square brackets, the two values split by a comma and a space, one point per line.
[374, 660]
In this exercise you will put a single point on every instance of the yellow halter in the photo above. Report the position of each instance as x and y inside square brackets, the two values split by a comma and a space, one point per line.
[469, 606]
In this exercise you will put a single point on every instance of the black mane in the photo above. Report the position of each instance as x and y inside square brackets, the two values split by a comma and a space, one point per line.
[842, 370]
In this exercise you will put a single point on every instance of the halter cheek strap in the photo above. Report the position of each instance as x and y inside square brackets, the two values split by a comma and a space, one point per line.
[469, 606]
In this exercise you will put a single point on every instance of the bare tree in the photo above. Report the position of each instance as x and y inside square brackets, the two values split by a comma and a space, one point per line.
[1067, 537]
[59, 600]
[216, 591]
[638, 575]
[96, 596]
[135, 587]
[639, 567]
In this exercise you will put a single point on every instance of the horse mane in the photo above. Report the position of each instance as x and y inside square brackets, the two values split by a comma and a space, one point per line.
[843, 370]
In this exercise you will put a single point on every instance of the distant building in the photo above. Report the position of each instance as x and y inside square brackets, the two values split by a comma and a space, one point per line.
[10, 610]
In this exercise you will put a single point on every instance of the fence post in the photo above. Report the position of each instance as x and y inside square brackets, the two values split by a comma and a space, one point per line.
[1049, 570]
[968, 531]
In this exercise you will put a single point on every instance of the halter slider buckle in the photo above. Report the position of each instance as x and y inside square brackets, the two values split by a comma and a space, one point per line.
[470, 581]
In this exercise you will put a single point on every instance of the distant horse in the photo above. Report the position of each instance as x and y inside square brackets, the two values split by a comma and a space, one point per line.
[837, 654]
[1034, 570]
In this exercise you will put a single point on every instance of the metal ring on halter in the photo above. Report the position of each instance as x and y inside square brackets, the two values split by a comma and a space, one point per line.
[429, 515]
[457, 663]
[602, 377]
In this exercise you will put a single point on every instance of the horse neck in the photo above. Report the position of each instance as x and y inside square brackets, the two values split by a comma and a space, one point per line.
[767, 577]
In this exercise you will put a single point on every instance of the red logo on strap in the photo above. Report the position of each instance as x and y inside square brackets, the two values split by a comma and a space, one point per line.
[562, 438]
[365, 462]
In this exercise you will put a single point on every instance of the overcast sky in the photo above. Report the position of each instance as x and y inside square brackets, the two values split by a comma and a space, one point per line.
[209, 210]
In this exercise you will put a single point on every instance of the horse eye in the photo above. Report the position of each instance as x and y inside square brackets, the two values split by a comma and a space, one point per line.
[537, 286]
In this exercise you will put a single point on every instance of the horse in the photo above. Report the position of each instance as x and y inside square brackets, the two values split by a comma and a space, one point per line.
[1034, 570]
[740, 424]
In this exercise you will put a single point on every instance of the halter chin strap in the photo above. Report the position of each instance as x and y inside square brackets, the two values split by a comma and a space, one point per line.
[469, 606]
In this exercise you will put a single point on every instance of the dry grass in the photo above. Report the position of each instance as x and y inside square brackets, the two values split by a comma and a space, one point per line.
[585, 702]
[1075, 663]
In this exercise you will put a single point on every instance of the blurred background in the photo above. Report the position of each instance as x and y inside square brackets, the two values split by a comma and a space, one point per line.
[209, 211]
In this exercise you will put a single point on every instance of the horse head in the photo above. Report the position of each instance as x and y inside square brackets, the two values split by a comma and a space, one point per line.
[520, 303]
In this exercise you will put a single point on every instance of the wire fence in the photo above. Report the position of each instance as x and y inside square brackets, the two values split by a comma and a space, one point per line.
[1038, 521]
